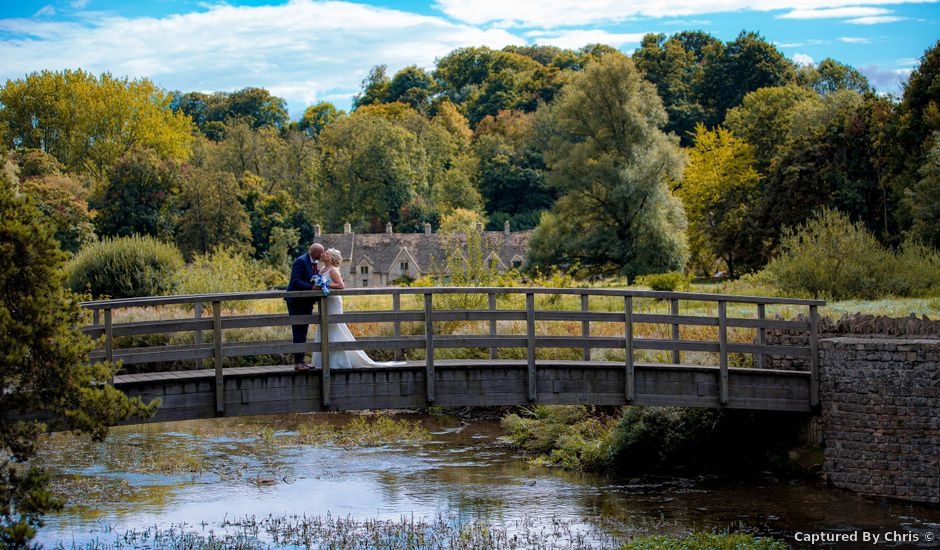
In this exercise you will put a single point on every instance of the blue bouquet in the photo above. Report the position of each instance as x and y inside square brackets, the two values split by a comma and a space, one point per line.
[323, 282]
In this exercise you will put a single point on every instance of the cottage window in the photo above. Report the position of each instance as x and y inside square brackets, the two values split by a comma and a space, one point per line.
[365, 282]
[404, 266]
[516, 263]
[364, 269]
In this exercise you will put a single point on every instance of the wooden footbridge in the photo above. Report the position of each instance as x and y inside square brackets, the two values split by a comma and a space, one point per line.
[519, 353]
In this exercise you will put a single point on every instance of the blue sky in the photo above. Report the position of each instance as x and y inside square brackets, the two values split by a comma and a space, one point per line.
[307, 51]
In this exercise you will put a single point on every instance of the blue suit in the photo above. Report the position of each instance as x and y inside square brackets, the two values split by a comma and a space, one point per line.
[301, 273]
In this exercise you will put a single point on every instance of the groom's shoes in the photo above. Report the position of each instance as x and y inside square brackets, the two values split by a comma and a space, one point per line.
[302, 367]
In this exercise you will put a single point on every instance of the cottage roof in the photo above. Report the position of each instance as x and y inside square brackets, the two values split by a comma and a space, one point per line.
[428, 250]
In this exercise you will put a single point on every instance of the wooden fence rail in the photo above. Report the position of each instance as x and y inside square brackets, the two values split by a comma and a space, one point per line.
[429, 312]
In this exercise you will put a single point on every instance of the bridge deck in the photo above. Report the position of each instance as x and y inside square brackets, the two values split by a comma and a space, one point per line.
[278, 389]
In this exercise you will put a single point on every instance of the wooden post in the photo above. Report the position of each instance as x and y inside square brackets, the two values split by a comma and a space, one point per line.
[674, 309]
[814, 356]
[628, 347]
[530, 340]
[198, 313]
[396, 307]
[585, 328]
[108, 336]
[429, 347]
[761, 336]
[723, 352]
[492, 303]
[323, 309]
[96, 317]
[197, 338]
[217, 355]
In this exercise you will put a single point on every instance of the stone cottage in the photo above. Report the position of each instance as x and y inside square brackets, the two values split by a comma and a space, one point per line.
[383, 259]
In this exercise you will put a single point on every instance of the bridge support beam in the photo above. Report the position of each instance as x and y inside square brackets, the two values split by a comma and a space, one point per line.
[530, 341]
[429, 347]
[323, 310]
[628, 347]
[217, 355]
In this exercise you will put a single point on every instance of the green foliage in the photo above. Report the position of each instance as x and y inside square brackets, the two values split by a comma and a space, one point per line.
[764, 117]
[668, 282]
[61, 199]
[613, 166]
[706, 541]
[211, 112]
[829, 76]
[461, 220]
[125, 267]
[137, 198]
[570, 436]
[226, 269]
[209, 215]
[512, 170]
[719, 188]
[924, 198]
[44, 365]
[90, 122]
[317, 117]
[831, 257]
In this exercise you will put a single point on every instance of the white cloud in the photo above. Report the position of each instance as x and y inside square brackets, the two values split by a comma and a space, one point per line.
[302, 50]
[802, 59]
[565, 13]
[854, 40]
[78, 4]
[574, 39]
[833, 13]
[790, 45]
[46, 11]
[875, 20]
[884, 78]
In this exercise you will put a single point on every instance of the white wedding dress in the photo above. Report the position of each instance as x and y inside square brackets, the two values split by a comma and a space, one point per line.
[339, 332]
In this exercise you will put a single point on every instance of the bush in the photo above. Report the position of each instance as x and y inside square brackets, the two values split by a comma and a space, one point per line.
[568, 436]
[664, 281]
[226, 270]
[125, 267]
[831, 257]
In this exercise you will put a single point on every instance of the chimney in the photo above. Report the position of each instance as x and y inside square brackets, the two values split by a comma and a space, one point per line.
[316, 230]
[506, 228]
[347, 228]
[388, 228]
[427, 228]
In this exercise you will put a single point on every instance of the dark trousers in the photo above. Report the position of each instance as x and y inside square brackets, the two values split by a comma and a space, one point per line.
[300, 306]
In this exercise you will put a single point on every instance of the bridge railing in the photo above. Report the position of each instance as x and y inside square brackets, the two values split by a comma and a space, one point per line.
[429, 312]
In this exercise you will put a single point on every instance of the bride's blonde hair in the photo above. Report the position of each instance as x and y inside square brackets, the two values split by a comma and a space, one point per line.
[335, 256]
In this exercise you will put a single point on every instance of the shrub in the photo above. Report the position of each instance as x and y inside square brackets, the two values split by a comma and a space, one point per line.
[664, 281]
[226, 270]
[831, 257]
[125, 267]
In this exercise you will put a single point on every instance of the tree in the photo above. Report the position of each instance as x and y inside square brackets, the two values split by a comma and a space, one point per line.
[44, 366]
[317, 117]
[61, 200]
[136, 199]
[613, 166]
[210, 217]
[411, 86]
[371, 167]
[924, 199]
[746, 64]
[374, 88]
[512, 173]
[764, 119]
[258, 106]
[461, 220]
[719, 186]
[829, 76]
[90, 122]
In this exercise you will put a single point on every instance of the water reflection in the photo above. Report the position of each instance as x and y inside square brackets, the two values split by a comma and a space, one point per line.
[215, 471]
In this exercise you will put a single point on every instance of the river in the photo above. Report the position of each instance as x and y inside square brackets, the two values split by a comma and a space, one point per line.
[255, 481]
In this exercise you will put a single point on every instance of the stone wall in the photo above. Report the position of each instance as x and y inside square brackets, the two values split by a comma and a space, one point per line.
[880, 400]
[857, 325]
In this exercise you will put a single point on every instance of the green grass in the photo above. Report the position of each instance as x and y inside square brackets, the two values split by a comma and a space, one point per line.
[706, 541]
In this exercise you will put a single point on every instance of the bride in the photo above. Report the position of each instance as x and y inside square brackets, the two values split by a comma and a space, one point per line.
[339, 332]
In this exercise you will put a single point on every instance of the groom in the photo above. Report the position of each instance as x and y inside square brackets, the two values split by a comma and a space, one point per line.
[301, 273]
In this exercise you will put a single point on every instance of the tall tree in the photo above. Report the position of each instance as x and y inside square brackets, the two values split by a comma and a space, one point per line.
[829, 76]
[210, 217]
[614, 166]
[317, 117]
[764, 119]
[137, 197]
[90, 122]
[719, 186]
[44, 366]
